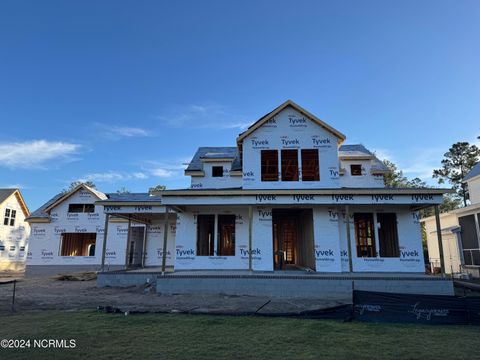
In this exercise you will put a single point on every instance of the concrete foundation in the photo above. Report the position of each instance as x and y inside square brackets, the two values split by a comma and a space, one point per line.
[331, 287]
[50, 270]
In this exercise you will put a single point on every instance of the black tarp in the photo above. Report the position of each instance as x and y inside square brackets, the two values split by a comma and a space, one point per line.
[411, 308]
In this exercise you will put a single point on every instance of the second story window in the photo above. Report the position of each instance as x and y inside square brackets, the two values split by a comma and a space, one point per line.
[356, 170]
[81, 208]
[9, 218]
[289, 165]
[269, 165]
[217, 171]
[310, 165]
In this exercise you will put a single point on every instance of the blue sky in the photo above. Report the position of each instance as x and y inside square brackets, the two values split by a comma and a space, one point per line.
[123, 92]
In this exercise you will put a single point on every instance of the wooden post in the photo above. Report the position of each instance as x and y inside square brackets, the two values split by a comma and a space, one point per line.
[250, 240]
[165, 242]
[104, 245]
[439, 239]
[349, 240]
[144, 245]
[128, 242]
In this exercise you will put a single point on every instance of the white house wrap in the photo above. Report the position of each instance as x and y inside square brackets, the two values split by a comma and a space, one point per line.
[300, 184]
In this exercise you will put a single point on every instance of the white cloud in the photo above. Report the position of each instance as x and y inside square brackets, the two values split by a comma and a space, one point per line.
[126, 131]
[204, 116]
[172, 169]
[35, 153]
[14, 186]
[162, 173]
[113, 177]
[115, 132]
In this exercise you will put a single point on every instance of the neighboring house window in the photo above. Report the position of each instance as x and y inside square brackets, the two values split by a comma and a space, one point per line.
[2, 247]
[77, 244]
[205, 235]
[217, 171]
[356, 170]
[269, 165]
[310, 165]
[289, 165]
[469, 237]
[10, 215]
[364, 234]
[22, 248]
[226, 235]
[12, 248]
[388, 235]
[81, 208]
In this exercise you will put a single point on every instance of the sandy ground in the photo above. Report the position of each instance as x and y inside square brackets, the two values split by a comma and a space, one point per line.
[48, 293]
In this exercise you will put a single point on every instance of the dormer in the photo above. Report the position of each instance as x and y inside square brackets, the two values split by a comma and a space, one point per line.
[359, 168]
[214, 168]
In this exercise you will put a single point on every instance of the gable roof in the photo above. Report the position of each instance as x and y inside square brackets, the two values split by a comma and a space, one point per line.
[6, 193]
[289, 103]
[40, 213]
[205, 153]
[65, 196]
[475, 171]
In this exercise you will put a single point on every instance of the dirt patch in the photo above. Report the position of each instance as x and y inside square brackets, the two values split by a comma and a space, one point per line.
[44, 293]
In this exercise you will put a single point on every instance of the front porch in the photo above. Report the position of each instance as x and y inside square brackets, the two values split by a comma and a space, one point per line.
[278, 284]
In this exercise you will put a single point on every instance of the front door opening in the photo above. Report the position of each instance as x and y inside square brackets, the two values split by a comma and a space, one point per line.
[135, 246]
[293, 244]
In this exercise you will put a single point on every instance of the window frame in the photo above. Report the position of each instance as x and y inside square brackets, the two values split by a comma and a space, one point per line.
[273, 175]
[10, 216]
[316, 167]
[369, 228]
[393, 252]
[217, 168]
[286, 168]
[230, 251]
[214, 248]
[84, 208]
[210, 246]
[86, 237]
[354, 173]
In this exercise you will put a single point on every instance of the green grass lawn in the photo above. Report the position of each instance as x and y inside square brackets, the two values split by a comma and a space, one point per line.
[158, 336]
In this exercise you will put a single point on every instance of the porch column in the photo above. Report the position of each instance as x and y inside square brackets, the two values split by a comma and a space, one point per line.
[439, 239]
[104, 245]
[144, 245]
[128, 241]
[250, 242]
[165, 238]
[349, 240]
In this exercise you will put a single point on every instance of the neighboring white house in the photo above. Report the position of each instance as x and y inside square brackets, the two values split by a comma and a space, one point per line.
[460, 233]
[14, 230]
